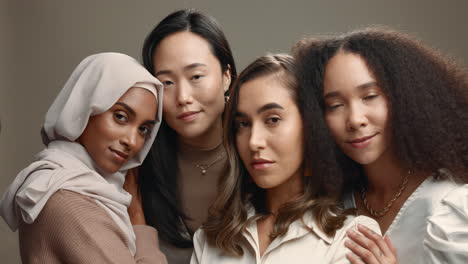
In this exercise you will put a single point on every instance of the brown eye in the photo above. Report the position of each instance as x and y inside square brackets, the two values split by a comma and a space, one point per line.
[120, 117]
[273, 120]
[144, 130]
[241, 124]
[196, 77]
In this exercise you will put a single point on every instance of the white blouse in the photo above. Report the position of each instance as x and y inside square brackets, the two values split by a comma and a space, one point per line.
[432, 225]
[298, 245]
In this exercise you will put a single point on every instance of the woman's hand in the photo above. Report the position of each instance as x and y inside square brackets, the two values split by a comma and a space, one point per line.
[137, 217]
[369, 247]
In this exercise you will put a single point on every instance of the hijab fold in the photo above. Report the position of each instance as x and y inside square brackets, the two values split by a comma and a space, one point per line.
[94, 87]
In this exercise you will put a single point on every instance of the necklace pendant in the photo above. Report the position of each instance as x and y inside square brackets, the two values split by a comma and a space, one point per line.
[203, 172]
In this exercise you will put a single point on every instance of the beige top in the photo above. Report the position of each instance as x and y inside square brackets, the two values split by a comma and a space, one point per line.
[298, 245]
[72, 228]
[197, 191]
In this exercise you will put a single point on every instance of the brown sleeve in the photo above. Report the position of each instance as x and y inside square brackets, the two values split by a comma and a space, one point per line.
[72, 228]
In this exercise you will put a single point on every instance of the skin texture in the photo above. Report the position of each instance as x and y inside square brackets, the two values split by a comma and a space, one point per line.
[194, 88]
[269, 140]
[117, 135]
[357, 113]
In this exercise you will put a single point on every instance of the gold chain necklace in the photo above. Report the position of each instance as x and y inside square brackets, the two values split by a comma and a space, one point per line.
[204, 167]
[387, 207]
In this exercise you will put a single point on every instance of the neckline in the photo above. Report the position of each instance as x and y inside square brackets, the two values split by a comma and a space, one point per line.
[192, 154]
[405, 205]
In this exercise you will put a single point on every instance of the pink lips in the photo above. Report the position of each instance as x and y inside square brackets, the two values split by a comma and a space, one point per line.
[188, 116]
[361, 142]
[120, 156]
[260, 164]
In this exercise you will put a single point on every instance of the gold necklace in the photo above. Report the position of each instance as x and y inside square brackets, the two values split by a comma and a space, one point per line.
[204, 167]
[387, 207]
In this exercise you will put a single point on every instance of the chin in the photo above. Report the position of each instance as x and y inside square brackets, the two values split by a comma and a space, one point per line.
[264, 184]
[363, 159]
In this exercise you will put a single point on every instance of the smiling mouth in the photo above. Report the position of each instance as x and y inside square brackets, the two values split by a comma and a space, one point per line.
[121, 156]
[361, 142]
[188, 116]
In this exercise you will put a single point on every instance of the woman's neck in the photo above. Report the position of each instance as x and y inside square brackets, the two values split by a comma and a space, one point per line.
[286, 192]
[209, 139]
[385, 175]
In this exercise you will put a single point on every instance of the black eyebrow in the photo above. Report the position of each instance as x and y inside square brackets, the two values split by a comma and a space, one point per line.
[194, 65]
[264, 108]
[268, 107]
[128, 108]
[186, 68]
[132, 112]
[360, 87]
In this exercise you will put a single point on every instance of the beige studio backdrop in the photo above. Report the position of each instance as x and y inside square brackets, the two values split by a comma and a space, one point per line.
[41, 42]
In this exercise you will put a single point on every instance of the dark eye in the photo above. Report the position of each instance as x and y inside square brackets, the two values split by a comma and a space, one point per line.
[273, 120]
[242, 124]
[144, 130]
[370, 97]
[120, 117]
[333, 106]
[167, 83]
[196, 77]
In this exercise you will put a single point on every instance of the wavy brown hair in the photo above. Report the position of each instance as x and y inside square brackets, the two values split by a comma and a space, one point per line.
[427, 93]
[227, 217]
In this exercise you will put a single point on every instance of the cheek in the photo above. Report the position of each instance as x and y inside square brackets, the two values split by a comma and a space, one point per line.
[242, 145]
[213, 94]
[168, 102]
[381, 115]
[140, 143]
[335, 125]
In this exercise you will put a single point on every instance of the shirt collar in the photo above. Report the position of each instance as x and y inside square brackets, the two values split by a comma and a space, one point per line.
[297, 228]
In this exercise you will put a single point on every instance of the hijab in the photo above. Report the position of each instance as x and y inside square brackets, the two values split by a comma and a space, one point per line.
[93, 88]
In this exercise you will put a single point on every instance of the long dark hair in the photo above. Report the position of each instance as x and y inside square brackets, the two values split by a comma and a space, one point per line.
[228, 215]
[427, 94]
[158, 173]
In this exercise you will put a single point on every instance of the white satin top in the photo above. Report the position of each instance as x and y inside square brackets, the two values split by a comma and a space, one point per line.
[298, 245]
[432, 225]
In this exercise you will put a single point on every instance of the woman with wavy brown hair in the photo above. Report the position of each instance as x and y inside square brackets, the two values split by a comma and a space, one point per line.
[398, 113]
[278, 202]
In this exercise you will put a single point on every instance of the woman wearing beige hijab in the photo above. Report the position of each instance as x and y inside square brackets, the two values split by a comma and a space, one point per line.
[70, 205]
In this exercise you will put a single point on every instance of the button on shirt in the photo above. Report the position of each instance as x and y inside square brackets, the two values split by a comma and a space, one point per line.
[298, 245]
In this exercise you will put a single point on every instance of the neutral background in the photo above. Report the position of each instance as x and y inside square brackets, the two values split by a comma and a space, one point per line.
[41, 42]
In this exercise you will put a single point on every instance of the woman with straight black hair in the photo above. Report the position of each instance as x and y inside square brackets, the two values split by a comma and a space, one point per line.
[188, 52]
[397, 110]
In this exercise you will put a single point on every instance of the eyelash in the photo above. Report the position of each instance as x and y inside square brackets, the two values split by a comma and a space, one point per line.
[272, 121]
[119, 117]
[370, 97]
[167, 83]
[147, 132]
[196, 77]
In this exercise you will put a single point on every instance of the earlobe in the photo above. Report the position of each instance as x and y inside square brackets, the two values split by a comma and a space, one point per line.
[227, 79]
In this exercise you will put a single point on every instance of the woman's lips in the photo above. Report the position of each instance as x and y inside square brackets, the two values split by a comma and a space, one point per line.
[188, 116]
[259, 164]
[118, 155]
[361, 142]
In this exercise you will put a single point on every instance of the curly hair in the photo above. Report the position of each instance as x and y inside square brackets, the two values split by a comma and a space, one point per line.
[427, 94]
[228, 216]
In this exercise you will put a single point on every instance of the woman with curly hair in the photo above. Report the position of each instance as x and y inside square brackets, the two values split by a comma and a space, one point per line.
[278, 202]
[398, 113]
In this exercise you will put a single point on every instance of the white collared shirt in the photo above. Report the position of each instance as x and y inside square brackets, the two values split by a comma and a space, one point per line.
[298, 245]
[432, 224]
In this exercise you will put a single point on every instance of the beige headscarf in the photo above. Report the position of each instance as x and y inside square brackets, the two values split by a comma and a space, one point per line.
[93, 88]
